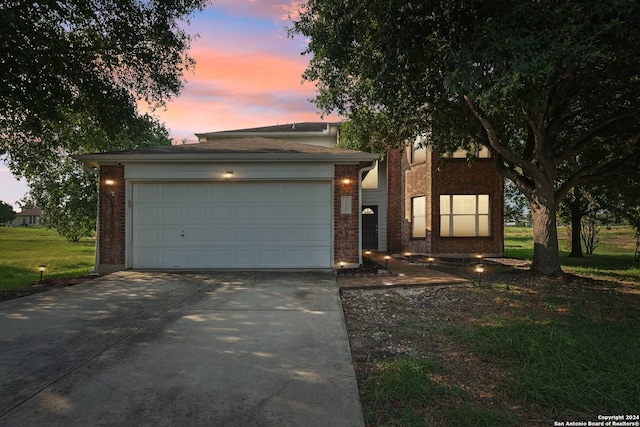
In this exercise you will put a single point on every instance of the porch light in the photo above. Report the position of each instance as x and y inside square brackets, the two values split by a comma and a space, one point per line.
[346, 181]
[228, 174]
[41, 268]
[109, 182]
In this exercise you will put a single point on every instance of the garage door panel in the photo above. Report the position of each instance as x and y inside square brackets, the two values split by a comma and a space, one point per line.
[218, 212]
[231, 225]
[196, 213]
[245, 212]
[170, 214]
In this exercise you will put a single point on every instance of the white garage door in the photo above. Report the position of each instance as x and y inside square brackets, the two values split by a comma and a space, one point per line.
[231, 225]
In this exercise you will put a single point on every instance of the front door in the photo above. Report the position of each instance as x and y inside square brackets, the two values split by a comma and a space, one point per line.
[370, 227]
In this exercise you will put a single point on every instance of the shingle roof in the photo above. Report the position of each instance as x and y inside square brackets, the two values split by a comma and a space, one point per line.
[232, 149]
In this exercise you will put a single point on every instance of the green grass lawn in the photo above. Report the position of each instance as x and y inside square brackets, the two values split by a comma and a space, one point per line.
[22, 250]
[613, 258]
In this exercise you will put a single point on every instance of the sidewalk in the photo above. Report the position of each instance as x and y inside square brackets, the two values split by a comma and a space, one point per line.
[401, 274]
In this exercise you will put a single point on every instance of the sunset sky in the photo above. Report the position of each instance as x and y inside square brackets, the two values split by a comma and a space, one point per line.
[248, 74]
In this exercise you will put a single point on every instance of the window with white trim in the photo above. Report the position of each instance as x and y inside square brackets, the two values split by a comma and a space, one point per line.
[419, 150]
[418, 217]
[464, 215]
[370, 181]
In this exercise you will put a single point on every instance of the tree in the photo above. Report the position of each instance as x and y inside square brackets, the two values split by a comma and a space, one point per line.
[65, 191]
[6, 212]
[72, 63]
[550, 88]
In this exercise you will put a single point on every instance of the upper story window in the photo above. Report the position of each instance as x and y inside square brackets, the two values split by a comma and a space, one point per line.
[370, 182]
[480, 152]
[419, 150]
[464, 215]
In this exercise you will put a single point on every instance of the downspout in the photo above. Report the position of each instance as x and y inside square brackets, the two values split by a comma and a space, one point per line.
[360, 178]
[97, 245]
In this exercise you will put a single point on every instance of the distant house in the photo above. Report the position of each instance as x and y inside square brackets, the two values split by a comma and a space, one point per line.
[26, 218]
[285, 197]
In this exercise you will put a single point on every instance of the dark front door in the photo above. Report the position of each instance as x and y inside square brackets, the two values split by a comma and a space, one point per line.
[370, 227]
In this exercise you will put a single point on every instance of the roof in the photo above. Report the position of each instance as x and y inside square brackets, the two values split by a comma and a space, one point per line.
[30, 212]
[254, 149]
[285, 129]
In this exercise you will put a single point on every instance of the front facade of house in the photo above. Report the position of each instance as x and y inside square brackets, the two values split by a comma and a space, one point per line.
[412, 201]
[285, 197]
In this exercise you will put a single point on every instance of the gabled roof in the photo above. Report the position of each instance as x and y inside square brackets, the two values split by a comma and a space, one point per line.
[252, 149]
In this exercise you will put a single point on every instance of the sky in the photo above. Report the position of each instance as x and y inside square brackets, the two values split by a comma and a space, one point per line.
[248, 74]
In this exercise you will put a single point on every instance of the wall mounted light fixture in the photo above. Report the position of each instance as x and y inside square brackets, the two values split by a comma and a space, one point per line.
[109, 182]
[346, 181]
[228, 174]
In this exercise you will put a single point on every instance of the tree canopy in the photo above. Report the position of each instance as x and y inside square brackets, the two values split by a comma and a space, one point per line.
[68, 63]
[6, 212]
[550, 87]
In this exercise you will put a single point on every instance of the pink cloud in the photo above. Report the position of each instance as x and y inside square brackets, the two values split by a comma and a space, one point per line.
[248, 72]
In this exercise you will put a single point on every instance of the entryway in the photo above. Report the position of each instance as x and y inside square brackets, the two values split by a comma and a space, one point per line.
[370, 227]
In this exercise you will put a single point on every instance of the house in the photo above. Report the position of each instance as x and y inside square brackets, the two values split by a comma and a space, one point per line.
[412, 200]
[285, 197]
[26, 218]
[243, 202]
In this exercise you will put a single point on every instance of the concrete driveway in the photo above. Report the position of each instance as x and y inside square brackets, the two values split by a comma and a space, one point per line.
[168, 349]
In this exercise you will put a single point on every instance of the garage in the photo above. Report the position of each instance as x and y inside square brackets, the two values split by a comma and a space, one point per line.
[276, 224]
[237, 203]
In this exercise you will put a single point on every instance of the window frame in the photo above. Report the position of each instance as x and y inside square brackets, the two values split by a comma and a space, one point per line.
[423, 217]
[448, 216]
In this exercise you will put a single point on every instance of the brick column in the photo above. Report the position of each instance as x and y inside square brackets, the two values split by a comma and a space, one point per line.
[346, 225]
[111, 231]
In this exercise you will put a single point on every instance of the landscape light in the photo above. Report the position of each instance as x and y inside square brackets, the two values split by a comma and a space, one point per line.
[42, 268]
[479, 270]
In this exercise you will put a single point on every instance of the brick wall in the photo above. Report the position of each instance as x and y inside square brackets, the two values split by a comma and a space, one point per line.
[346, 226]
[111, 232]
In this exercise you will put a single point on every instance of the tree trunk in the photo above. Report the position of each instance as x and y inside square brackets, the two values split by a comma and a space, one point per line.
[546, 258]
[576, 229]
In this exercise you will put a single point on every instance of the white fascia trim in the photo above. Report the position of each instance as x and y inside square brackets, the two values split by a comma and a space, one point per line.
[343, 158]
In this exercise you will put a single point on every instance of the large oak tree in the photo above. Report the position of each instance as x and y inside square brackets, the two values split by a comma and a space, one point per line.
[551, 87]
[72, 75]
[64, 64]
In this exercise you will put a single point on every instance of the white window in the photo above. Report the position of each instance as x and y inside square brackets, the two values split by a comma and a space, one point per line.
[464, 215]
[370, 182]
[479, 152]
[418, 217]
[419, 150]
